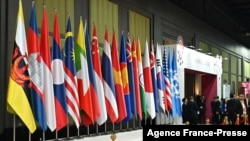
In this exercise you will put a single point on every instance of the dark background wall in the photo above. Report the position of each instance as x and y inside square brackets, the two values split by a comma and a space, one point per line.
[167, 20]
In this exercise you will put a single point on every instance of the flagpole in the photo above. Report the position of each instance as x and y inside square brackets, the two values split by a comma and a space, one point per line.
[29, 136]
[56, 134]
[14, 127]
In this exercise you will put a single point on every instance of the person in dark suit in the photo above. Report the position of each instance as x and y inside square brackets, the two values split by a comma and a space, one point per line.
[216, 110]
[184, 110]
[192, 111]
[201, 102]
[233, 108]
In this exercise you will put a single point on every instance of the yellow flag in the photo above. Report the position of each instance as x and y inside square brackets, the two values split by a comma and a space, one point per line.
[17, 99]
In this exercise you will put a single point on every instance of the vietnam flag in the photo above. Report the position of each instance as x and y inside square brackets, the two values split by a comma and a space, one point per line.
[122, 113]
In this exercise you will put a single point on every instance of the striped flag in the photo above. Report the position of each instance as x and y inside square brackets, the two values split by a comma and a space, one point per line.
[58, 79]
[34, 59]
[98, 78]
[93, 86]
[168, 94]
[122, 113]
[108, 83]
[136, 79]
[82, 74]
[18, 93]
[141, 78]
[47, 74]
[131, 76]
[160, 79]
[154, 80]
[125, 79]
[148, 83]
[70, 76]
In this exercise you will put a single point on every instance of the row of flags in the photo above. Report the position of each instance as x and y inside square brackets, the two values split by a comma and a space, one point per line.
[47, 86]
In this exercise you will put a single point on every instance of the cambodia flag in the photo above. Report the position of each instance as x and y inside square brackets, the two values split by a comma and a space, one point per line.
[34, 59]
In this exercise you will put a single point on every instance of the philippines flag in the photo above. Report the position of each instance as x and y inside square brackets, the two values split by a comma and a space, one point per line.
[58, 79]
[108, 83]
[93, 86]
[34, 59]
[70, 76]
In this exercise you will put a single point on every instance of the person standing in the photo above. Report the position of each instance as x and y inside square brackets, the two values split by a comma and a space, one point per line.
[192, 111]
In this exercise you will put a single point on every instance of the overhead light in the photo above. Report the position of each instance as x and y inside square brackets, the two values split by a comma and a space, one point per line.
[199, 49]
[225, 58]
[209, 53]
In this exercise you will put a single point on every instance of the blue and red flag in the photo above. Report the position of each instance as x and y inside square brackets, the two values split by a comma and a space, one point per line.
[58, 79]
[34, 59]
[125, 79]
[108, 83]
[93, 87]
[131, 76]
[72, 96]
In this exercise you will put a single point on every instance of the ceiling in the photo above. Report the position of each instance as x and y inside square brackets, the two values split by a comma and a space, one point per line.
[229, 16]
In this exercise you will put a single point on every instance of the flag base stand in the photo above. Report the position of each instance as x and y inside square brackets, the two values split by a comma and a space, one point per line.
[113, 136]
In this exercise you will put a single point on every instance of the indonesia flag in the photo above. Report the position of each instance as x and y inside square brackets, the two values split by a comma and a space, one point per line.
[82, 74]
[122, 113]
[98, 78]
[136, 80]
[47, 74]
[70, 76]
[148, 83]
[160, 79]
[34, 59]
[108, 83]
[58, 79]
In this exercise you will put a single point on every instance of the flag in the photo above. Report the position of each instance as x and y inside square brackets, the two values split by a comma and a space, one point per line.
[58, 79]
[18, 92]
[160, 79]
[35, 70]
[168, 95]
[47, 74]
[82, 74]
[93, 86]
[125, 80]
[154, 80]
[98, 78]
[148, 83]
[70, 76]
[131, 77]
[175, 87]
[141, 78]
[108, 83]
[122, 113]
[136, 80]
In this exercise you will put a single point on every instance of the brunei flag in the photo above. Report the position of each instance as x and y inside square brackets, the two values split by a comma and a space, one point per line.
[19, 82]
